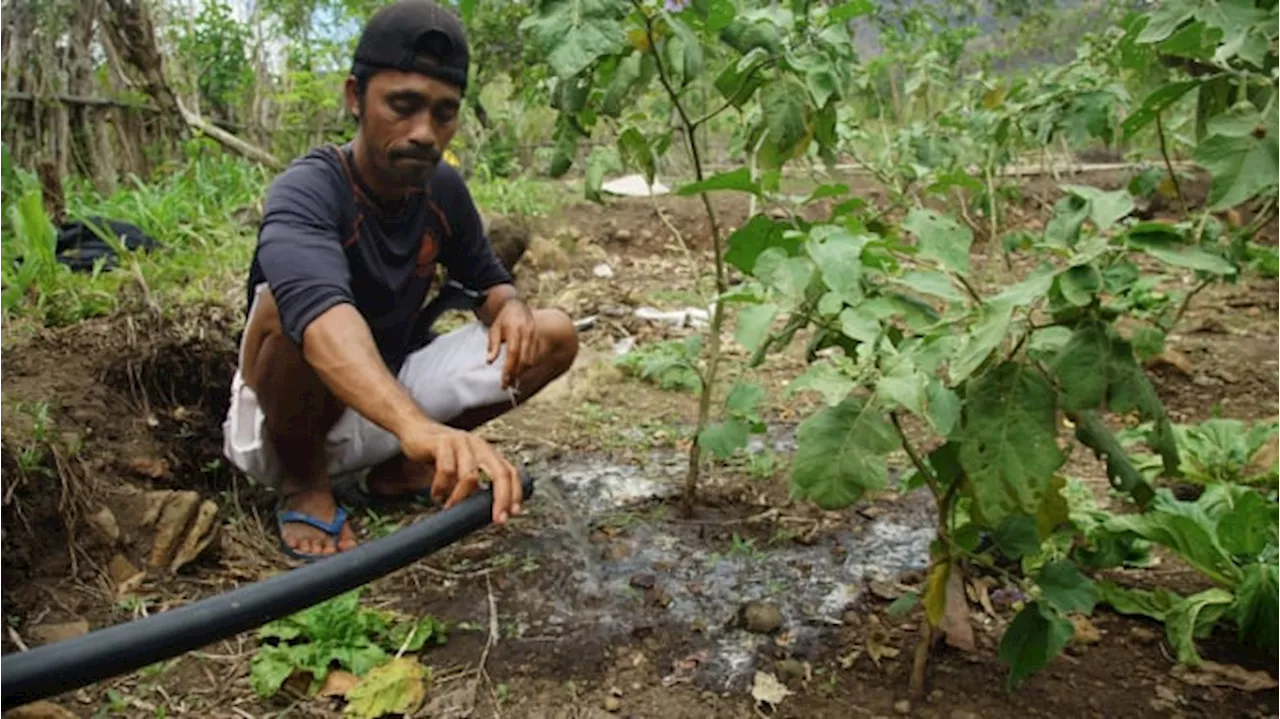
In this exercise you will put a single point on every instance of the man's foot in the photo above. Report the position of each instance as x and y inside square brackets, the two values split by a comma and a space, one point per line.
[395, 481]
[301, 517]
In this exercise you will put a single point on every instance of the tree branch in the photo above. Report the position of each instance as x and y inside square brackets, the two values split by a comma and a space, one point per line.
[1173, 177]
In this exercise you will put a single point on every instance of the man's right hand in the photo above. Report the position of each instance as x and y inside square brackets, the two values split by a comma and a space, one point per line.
[459, 457]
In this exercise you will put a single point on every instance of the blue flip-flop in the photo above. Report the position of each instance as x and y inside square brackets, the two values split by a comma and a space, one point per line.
[293, 516]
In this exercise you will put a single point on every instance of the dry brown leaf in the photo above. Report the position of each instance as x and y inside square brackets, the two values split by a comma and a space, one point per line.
[955, 621]
[877, 651]
[149, 467]
[768, 690]
[338, 683]
[1210, 674]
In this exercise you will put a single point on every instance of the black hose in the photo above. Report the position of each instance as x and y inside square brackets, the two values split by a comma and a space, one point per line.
[73, 663]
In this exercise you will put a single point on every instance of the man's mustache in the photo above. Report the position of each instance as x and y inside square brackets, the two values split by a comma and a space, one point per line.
[425, 154]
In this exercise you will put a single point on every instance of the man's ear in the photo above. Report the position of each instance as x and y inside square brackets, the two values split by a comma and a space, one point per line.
[349, 93]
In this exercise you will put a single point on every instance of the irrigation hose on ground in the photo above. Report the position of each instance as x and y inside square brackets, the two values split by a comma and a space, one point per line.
[52, 669]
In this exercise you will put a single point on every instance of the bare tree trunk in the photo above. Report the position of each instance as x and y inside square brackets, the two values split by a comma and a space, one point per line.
[130, 30]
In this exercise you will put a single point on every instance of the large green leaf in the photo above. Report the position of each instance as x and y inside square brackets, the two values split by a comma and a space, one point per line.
[573, 34]
[1017, 536]
[1155, 103]
[840, 453]
[786, 117]
[753, 325]
[931, 282]
[1105, 208]
[625, 78]
[636, 151]
[1168, 248]
[1256, 607]
[1186, 529]
[825, 379]
[979, 342]
[1065, 588]
[602, 160]
[904, 385]
[941, 238]
[1010, 449]
[789, 276]
[1249, 527]
[759, 234]
[1153, 603]
[1242, 155]
[838, 255]
[739, 179]
[1192, 618]
[1032, 640]
[739, 81]
[942, 406]
[724, 438]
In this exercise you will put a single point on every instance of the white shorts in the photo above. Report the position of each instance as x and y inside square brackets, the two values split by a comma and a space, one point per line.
[446, 378]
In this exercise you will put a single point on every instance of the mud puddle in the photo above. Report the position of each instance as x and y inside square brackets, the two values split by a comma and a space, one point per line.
[630, 566]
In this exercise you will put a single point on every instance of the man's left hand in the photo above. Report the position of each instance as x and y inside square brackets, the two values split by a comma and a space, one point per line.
[514, 327]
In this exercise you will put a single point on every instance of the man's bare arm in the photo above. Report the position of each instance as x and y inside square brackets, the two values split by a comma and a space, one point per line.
[495, 297]
[341, 349]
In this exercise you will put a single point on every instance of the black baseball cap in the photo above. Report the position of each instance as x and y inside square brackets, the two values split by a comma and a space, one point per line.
[415, 36]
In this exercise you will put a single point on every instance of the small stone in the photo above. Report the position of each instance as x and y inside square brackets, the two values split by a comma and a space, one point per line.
[963, 714]
[761, 617]
[791, 668]
[851, 618]
[1143, 634]
[124, 574]
[935, 695]
[902, 706]
[104, 523]
[884, 590]
[622, 235]
[1084, 631]
[612, 704]
[52, 633]
[643, 580]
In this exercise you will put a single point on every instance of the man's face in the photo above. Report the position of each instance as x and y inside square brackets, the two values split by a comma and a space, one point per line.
[406, 122]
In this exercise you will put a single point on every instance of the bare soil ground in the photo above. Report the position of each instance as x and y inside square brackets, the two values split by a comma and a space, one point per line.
[126, 413]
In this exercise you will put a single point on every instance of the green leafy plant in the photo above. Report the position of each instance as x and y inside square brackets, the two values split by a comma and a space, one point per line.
[780, 69]
[338, 632]
[1229, 534]
[1223, 450]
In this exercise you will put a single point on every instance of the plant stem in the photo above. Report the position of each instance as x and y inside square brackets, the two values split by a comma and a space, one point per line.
[920, 466]
[717, 313]
[1173, 176]
[1186, 302]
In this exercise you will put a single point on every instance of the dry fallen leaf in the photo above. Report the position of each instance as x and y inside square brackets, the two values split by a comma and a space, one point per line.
[397, 687]
[338, 683]
[876, 651]
[768, 690]
[60, 631]
[955, 621]
[1210, 674]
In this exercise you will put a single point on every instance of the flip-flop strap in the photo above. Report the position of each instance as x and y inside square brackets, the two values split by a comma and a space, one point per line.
[330, 528]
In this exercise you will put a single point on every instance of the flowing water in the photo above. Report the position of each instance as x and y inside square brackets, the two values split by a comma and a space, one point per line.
[619, 564]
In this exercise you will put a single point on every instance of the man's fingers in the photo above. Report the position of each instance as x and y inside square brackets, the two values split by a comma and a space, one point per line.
[495, 341]
[515, 348]
[446, 471]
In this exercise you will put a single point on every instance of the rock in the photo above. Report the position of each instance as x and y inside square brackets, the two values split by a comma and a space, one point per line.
[104, 523]
[622, 235]
[791, 668]
[602, 271]
[39, 710]
[642, 580]
[1085, 632]
[124, 575]
[760, 617]
[963, 714]
[50, 633]
[884, 590]
[148, 467]
[902, 706]
[1172, 359]
[935, 696]
[612, 704]
[1143, 634]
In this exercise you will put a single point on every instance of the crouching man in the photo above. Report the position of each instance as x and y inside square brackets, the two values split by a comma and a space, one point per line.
[335, 392]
